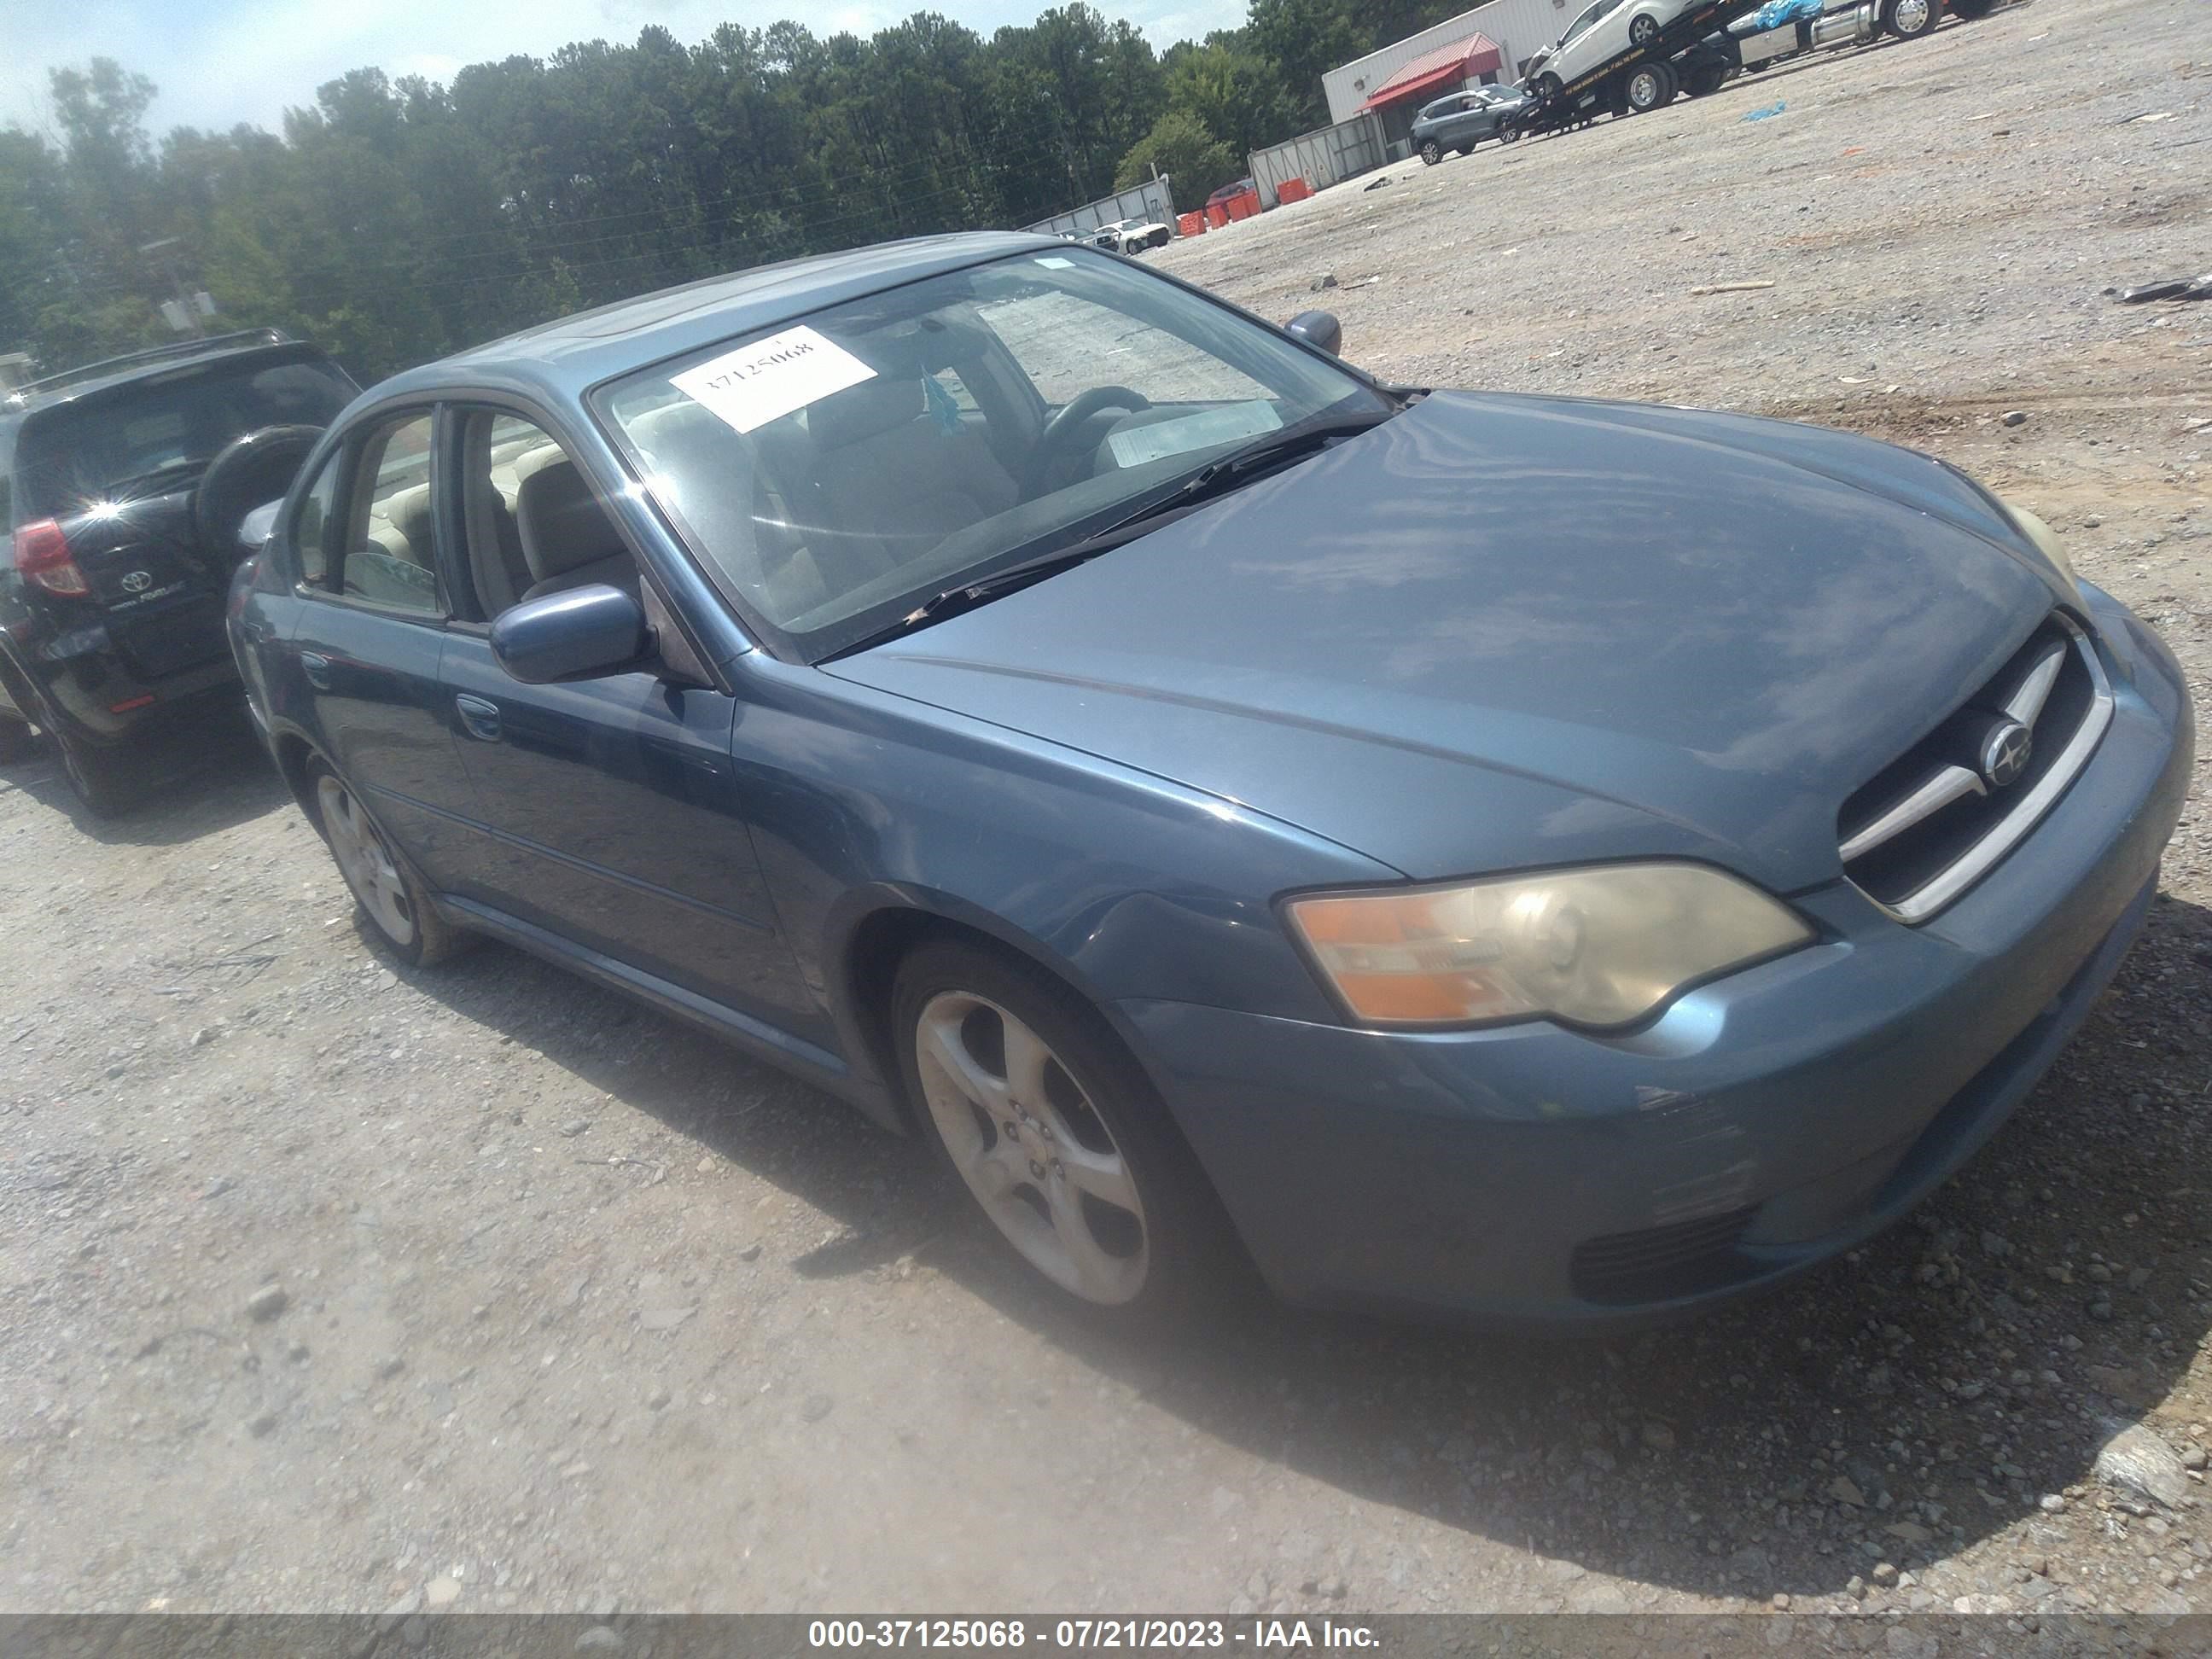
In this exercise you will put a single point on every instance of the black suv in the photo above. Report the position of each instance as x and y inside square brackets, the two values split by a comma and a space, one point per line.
[126, 484]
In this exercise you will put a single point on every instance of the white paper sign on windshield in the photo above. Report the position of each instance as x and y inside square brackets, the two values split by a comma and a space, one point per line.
[755, 384]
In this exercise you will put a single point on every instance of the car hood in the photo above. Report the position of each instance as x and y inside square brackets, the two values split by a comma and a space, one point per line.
[1504, 631]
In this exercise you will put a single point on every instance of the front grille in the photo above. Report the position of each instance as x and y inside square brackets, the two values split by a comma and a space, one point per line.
[1660, 1263]
[1940, 816]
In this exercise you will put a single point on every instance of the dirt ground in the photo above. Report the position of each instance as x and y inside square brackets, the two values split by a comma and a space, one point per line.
[583, 1312]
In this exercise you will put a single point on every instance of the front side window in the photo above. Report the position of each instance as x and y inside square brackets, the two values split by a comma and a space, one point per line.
[846, 464]
[533, 525]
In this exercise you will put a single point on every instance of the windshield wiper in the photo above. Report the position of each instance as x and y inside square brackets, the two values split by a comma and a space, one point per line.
[1219, 477]
[1020, 574]
[1215, 478]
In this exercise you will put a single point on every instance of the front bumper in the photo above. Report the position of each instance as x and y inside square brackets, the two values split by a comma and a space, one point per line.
[1531, 1175]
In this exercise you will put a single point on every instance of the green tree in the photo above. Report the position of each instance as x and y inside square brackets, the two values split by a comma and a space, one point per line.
[1196, 162]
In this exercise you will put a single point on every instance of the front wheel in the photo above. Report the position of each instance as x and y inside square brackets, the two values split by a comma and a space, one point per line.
[1053, 1132]
[1547, 85]
[1908, 20]
[1643, 29]
[1431, 152]
[399, 914]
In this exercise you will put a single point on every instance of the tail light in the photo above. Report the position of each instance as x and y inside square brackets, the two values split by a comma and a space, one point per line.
[42, 554]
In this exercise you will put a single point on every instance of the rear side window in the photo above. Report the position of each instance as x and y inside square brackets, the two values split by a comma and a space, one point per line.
[156, 434]
[310, 529]
[388, 558]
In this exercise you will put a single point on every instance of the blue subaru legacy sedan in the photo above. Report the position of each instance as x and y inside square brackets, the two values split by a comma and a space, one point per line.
[1548, 861]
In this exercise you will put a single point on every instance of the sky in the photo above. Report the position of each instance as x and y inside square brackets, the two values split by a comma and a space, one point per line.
[220, 62]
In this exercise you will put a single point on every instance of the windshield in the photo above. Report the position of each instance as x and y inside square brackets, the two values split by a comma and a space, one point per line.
[850, 464]
[70, 455]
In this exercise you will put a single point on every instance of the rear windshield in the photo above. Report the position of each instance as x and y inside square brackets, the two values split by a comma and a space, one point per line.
[159, 433]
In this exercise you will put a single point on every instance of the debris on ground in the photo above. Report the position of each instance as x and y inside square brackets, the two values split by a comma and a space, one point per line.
[1732, 287]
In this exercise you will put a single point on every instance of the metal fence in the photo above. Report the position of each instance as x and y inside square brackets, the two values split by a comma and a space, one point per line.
[1149, 200]
[1322, 157]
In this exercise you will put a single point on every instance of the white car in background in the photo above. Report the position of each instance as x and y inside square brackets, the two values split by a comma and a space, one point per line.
[1131, 235]
[1604, 29]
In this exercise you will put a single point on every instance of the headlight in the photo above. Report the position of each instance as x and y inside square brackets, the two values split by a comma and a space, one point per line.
[2046, 542]
[1601, 945]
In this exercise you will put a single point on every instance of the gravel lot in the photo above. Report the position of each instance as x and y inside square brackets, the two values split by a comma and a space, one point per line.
[574, 1309]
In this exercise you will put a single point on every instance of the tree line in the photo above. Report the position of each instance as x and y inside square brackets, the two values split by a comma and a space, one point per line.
[396, 220]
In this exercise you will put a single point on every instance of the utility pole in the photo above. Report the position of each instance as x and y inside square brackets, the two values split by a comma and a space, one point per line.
[184, 300]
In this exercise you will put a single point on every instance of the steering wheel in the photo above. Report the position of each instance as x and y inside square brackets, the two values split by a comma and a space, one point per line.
[1067, 422]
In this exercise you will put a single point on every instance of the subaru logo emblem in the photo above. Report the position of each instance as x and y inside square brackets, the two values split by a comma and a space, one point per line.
[2004, 752]
[137, 581]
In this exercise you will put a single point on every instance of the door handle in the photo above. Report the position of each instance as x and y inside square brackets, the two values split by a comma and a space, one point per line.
[480, 717]
[317, 667]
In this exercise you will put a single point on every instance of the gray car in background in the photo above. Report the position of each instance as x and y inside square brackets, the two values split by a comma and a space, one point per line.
[1464, 119]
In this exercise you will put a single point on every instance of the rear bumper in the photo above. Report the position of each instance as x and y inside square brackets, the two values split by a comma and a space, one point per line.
[90, 685]
[1530, 1174]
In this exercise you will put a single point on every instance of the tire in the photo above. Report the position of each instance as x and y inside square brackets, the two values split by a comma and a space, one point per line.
[1648, 86]
[1547, 85]
[248, 473]
[103, 779]
[1643, 29]
[1707, 80]
[1137, 1235]
[1908, 20]
[1507, 133]
[399, 918]
[1431, 152]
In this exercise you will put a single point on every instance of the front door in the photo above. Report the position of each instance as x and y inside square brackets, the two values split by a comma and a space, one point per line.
[608, 810]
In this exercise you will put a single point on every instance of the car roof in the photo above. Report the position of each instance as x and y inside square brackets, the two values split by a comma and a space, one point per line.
[564, 358]
[125, 374]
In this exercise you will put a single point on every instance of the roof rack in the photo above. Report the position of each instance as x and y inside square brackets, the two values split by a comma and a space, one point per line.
[244, 336]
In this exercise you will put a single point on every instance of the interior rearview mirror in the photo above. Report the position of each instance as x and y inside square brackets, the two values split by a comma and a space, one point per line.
[575, 636]
[1318, 328]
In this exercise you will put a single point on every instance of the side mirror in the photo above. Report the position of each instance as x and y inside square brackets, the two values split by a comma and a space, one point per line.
[575, 636]
[254, 529]
[1318, 328]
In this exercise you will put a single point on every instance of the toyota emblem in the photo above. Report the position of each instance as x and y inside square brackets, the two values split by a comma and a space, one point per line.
[137, 581]
[2005, 751]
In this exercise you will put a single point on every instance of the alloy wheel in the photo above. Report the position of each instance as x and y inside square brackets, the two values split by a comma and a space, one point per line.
[1642, 29]
[1910, 17]
[365, 862]
[1032, 1148]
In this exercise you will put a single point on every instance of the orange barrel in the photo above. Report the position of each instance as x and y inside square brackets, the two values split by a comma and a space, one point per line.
[1216, 215]
[1244, 204]
[1191, 224]
[1293, 190]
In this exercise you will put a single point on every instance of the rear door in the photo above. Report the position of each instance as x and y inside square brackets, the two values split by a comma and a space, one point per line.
[116, 470]
[358, 672]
